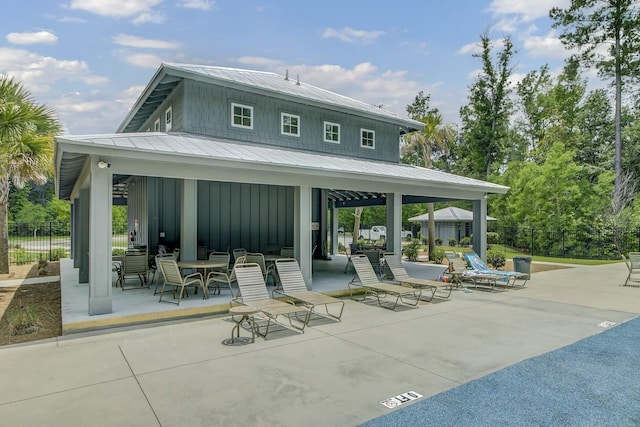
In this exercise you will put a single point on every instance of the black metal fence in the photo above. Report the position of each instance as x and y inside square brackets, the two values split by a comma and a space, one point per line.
[587, 243]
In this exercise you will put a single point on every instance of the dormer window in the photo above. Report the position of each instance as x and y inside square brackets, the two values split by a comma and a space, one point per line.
[156, 126]
[332, 132]
[367, 138]
[168, 119]
[290, 124]
[241, 116]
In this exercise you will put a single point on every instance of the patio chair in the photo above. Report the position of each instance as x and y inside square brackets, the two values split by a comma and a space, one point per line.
[201, 252]
[156, 267]
[292, 285]
[287, 252]
[353, 249]
[401, 276]
[633, 265]
[253, 292]
[480, 272]
[455, 272]
[134, 264]
[174, 279]
[238, 252]
[368, 280]
[374, 259]
[267, 270]
[223, 275]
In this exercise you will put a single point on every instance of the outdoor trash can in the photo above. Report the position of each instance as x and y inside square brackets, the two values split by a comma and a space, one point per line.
[522, 264]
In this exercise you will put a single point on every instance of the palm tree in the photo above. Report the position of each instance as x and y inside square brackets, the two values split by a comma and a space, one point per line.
[419, 146]
[26, 148]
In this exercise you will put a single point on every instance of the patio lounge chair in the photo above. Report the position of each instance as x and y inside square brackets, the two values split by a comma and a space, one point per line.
[253, 292]
[367, 279]
[633, 265]
[173, 278]
[401, 276]
[293, 286]
[480, 273]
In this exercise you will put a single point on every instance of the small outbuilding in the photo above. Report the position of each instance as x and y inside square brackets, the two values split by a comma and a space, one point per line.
[451, 223]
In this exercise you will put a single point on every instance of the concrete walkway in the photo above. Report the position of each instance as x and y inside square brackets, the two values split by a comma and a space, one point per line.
[333, 374]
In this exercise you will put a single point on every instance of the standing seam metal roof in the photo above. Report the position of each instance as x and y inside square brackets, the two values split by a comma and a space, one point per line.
[187, 145]
[256, 80]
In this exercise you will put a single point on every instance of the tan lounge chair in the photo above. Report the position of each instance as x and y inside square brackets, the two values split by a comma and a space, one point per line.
[135, 264]
[253, 292]
[633, 265]
[293, 286]
[367, 278]
[401, 276]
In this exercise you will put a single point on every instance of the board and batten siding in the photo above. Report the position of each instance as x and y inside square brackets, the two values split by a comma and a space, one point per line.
[250, 216]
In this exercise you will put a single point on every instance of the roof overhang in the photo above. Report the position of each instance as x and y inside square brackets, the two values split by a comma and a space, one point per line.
[202, 158]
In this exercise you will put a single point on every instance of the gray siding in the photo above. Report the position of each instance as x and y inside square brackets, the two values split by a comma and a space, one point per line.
[230, 215]
[207, 112]
[251, 216]
[176, 102]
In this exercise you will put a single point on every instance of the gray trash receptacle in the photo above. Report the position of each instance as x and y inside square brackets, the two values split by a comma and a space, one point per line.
[522, 264]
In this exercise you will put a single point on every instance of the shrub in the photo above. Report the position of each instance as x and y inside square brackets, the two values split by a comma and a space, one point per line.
[439, 241]
[496, 259]
[453, 242]
[58, 253]
[23, 321]
[411, 250]
[437, 256]
[340, 247]
[21, 256]
[465, 241]
[492, 238]
[116, 252]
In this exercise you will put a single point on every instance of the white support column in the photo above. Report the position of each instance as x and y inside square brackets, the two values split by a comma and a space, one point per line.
[302, 230]
[100, 202]
[189, 220]
[480, 227]
[334, 229]
[394, 223]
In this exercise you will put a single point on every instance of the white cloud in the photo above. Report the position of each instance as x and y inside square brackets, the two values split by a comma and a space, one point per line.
[134, 41]
[145, 60]
[129, 96]
[198, 4]
[351, 35]
[394, 89]
[141, 11]
[39, 72]
[527, 10]
[548, 46]
[41, 37]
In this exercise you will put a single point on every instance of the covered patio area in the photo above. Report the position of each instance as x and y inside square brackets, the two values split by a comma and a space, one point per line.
[140, 306]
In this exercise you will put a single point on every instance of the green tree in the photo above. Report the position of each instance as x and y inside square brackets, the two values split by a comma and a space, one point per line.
[605, 33]
[485, 119]
[26, 148]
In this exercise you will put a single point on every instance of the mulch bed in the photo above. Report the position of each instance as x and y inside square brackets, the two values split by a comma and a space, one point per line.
[30, 312]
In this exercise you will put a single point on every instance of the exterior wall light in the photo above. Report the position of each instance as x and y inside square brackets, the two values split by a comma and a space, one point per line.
[103, 165]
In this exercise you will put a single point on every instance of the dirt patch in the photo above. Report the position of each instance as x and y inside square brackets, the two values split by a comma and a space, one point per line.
[30, 312]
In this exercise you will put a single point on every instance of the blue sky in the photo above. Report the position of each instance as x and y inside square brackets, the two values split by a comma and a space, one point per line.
[90, 59]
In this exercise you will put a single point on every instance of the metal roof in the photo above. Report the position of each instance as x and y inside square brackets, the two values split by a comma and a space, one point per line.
[450, 214]
[191, 150]
[169, 75]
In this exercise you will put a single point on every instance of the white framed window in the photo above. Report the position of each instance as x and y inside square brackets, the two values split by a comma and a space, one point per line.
[290, 124]
[156, 126]
[367, 138]
[241, 116]
[168, 119]
[332, 132]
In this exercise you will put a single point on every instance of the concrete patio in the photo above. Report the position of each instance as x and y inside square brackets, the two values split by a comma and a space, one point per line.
[139, 306]
[179, 373]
